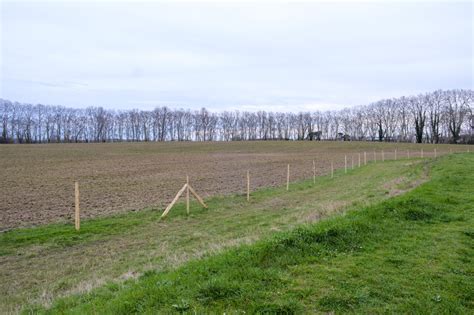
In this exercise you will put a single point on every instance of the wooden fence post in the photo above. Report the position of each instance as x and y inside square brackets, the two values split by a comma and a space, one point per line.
[395, 154]
[352, 161]
[365, 158]
[77, 216]
[375, 157]
[345, 164]
[288, 178]
[359, 159]
[248, 185]
[187, 194]
[332, 169]
[314, 172]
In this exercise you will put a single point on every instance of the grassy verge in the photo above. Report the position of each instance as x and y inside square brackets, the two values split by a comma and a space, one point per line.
[410, 254]
[43, 263]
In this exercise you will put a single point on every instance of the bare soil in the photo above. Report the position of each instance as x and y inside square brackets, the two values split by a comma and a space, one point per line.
[37, 181]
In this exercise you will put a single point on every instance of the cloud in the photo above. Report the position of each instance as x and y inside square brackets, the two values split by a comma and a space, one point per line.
[232, 55]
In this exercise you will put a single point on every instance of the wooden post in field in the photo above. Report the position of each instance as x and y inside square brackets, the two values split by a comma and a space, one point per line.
[288, 178]
[375, 157]
[395, 154]
[359, 159]
[77, 217]
[450, 151]
[408, 153]
[435, 154]
[352, 161]
[187, 194]
[365, 158]
[332, 169]
[383, 156]
[345, 164]
[248, 185]
[421, 152]
[314, 172]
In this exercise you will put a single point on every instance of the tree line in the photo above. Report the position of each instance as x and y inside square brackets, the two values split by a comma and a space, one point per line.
[441, 116]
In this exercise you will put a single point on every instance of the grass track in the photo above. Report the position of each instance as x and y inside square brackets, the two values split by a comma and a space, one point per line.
[40, 264]
[409, 254]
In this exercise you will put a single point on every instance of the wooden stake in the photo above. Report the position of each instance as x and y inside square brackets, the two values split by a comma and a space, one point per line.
[359, 159]
[365, 158]
[248, 185]
[375, 157]
[332, 169]
[187, 194]
[345, 164]
[77, 216]
[288, 178]
[352, 161]
[197, 197]
[180, 192]
[395, 154]
[314, 172]
[383, 156]
[435, 154]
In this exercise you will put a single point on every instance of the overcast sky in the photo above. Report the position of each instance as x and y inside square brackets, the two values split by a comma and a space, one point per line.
[272, 56]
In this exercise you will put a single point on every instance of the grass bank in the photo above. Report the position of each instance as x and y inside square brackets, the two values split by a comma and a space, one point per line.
[409, 254]
[43, 263]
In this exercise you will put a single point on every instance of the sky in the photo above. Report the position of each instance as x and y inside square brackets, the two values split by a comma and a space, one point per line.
[267, 55]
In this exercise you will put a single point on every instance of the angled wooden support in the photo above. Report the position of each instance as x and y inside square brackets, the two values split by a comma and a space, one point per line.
[180, 192]
[197, 196]
[189, 189]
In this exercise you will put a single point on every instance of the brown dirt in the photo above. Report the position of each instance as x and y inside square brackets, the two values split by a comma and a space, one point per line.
[37, 181]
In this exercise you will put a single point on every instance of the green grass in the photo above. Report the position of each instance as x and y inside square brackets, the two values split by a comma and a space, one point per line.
[43, 263]
[409, 254]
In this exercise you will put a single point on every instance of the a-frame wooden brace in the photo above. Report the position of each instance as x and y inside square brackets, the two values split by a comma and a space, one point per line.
[188, 189]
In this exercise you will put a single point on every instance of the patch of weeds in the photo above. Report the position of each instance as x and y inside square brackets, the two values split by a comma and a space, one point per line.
[418, 215]
[288, 308]
[332, 303]
[217, 290]
[469, 233]
[395, 261]
[181, 306]
[341, 238]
